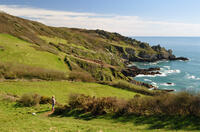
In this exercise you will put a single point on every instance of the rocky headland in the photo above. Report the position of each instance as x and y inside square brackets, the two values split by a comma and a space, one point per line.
[101, 55]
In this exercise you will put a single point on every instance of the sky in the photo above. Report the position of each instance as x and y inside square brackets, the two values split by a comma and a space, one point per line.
[128, 17]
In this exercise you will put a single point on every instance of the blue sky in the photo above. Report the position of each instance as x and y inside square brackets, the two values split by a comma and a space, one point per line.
[129, 17]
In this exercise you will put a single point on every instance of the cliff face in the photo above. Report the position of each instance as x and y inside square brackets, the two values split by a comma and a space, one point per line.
[99, 53]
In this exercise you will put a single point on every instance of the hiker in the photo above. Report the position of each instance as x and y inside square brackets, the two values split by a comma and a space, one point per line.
[53, 102]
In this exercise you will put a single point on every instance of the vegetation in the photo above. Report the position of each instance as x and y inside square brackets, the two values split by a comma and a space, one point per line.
[19, 71]
[15, 117]
[81, 77]
[180, 104]
[54, 40]
[36, 58]
[30, 99]
[17, 51]
[62, 89]
[132, 87]
[98, 52]
[20, 119]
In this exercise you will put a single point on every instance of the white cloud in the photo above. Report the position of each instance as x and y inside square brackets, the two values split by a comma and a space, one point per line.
[126, 25]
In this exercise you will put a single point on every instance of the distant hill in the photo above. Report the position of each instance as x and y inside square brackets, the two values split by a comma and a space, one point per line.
[78, 53]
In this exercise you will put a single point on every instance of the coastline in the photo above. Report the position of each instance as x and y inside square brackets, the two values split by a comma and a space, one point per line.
[134, 71]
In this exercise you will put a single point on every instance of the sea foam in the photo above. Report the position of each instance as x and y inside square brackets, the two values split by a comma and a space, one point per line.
[192, 77]
[148, 80]
[165, 71]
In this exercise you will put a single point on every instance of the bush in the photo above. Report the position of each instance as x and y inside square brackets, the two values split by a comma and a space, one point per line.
[45, 100]
[183, 104]
[30, 100]
[19, 71]
[81, 76]
[169, 104]
[97, 106]
[33, 99]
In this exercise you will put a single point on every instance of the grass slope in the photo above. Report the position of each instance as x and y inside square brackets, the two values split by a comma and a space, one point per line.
[63, 89]
[19, 51]
[96, 45]
[20, 119]
[15, 119]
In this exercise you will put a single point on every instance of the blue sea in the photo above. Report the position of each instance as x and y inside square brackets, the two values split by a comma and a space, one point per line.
[177, 75]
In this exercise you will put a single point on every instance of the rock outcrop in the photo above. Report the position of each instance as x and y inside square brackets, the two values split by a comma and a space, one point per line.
[157, 53]
[134, 71]
[180, 58]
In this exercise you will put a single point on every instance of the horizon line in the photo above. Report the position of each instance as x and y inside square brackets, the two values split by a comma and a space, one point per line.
[166, 36]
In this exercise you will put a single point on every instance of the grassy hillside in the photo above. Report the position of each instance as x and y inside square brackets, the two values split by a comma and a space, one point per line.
[63, 89]
[20, 119]
[96, 52]
[19, 51]
[14, 118]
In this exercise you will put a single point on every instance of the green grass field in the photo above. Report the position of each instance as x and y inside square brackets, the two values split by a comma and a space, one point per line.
[19, 51]
[20, 119]
[63, 89]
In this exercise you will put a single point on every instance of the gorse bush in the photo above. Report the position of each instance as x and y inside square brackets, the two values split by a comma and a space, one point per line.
[97, 106]
[31, 99]
[19, 71]
[80, 76]
[183, 104]
[45, 100]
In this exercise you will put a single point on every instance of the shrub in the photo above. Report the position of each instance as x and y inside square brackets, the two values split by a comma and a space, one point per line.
[97, 106]
[183, 104]
[30, 100]
[45, 100]
[81, 76]
[168, 104]
[33, 99]
[61, 110]
[9, 71]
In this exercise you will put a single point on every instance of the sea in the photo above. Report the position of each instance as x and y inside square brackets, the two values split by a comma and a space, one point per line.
[176, 75]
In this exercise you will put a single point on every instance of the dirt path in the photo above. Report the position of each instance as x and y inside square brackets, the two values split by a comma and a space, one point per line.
[48, 113]
[97, 62]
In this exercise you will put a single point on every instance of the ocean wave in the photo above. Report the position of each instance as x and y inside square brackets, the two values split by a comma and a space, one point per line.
[171, 71]
[164, 73]
[148, 80]
[192, 77]
[168, 84]
[168, 67]
[156, 75]
[153, 63]
[154, 84]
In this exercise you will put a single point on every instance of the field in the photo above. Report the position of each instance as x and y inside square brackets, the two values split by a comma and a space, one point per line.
[62, 90]
[19, 51]
[20, 119]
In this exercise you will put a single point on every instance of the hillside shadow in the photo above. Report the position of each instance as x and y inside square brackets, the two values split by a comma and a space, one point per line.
[77, 114]
[163, 122]
[153, 122]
